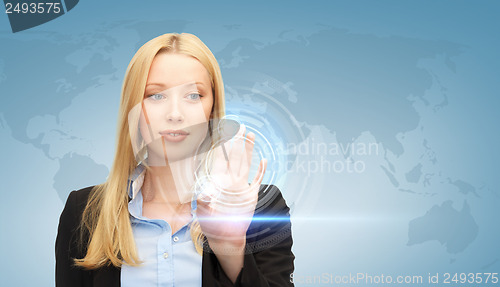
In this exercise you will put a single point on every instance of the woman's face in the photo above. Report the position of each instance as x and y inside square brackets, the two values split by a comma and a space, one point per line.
[176, 108]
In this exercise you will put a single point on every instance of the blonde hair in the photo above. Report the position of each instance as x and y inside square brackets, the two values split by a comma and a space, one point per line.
[106, 216]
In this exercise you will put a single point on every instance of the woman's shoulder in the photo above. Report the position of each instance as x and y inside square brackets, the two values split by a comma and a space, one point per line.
[77, 200]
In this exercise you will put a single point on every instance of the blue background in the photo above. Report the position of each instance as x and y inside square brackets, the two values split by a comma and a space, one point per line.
[415, 80]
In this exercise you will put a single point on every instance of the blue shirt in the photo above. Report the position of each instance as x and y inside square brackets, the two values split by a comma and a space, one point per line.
[169, 259]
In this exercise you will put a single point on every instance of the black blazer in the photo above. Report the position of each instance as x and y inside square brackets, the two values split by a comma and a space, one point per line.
[270, 265]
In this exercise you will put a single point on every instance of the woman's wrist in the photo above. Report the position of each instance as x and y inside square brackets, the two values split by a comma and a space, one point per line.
[227, 247]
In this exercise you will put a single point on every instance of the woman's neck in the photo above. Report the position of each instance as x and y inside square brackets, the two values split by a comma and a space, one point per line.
[170, 184]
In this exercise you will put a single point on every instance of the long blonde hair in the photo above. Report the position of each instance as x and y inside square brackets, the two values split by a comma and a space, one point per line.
[106, 216]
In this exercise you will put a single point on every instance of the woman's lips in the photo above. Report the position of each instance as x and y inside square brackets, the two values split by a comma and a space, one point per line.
[174, 135]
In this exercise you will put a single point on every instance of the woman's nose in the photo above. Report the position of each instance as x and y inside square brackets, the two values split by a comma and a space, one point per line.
[174, 114]
[175, 117]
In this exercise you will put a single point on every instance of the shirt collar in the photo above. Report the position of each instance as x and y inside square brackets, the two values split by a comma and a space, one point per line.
[136, 180]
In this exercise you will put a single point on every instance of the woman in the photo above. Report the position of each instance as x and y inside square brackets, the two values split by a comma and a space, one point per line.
[176, 209]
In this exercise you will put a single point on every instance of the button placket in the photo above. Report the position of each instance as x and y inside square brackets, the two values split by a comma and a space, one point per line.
[164, 242]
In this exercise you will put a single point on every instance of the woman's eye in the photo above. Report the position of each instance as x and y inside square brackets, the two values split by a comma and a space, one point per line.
[194, 96]
[156, 97]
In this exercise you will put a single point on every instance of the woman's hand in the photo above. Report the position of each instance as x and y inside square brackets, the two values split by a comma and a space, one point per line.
[227, 202]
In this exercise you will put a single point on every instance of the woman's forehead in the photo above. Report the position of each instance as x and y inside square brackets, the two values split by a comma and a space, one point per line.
[170, 70]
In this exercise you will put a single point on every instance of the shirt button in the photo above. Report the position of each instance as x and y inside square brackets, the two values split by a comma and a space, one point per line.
[176, 239]
[165, 255]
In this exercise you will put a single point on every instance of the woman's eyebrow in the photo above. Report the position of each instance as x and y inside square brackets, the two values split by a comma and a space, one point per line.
[200, 83]
[155, 84]
[163, 85]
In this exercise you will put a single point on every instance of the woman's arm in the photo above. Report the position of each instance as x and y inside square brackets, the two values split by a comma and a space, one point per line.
[272, 264]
